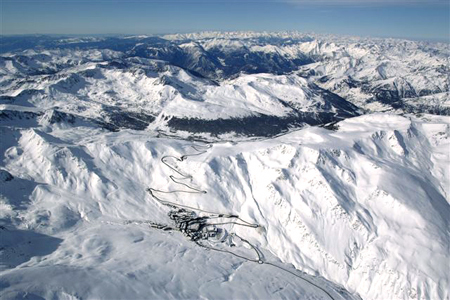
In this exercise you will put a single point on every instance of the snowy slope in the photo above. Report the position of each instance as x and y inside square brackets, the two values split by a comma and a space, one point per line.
[373, 74]
[381, 74]
[365, 207]
[78, 224]
[133, 92]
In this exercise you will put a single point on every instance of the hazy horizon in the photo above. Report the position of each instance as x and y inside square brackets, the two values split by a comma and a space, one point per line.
[80, 35]
[423, 20]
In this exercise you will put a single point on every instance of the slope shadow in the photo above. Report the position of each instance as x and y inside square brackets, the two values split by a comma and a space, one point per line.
[19, 246]
[17, 192]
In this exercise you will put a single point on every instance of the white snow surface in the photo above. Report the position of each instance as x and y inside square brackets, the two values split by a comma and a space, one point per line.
[365, 207]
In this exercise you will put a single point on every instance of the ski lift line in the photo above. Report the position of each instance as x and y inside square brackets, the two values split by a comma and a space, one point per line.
[302, 278]
[146, 222]
[235, 223]
[261, 262]
[163, 160]
[184, 222]
[245, 223]
[184, 157]
[191, 190]
[212, 214]
[172, 192]
[258, 253]
[226, 251]
[184, 184]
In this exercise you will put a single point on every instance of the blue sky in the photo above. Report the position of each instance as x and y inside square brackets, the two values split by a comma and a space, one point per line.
[420, 19]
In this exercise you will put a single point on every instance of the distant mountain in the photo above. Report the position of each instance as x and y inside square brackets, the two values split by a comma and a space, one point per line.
[234, 165]
[203, 82]
[122, 91]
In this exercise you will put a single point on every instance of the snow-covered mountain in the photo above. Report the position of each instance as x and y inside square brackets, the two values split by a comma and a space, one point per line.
[136, 92]
[297, 166]
[373, 74]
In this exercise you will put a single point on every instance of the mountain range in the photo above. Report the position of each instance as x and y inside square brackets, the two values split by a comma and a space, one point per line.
[224, 165]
